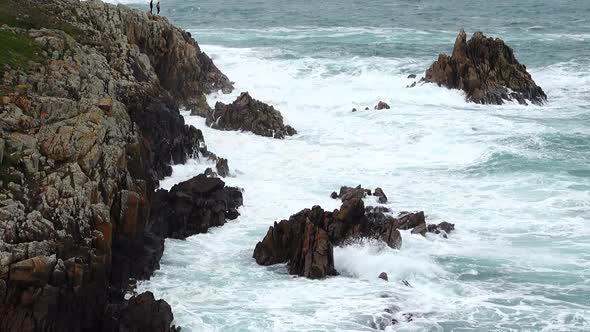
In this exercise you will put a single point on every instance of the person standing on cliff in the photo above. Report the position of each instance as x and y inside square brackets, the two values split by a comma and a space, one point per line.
[151, 6]
[158, 7]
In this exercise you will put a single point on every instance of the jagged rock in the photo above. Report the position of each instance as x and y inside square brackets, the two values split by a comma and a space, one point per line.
[382, 106]
[414, 221]
[383, 276]
[347, 193]
[87, 130]
[444, 226]
[302, 242]
[487, 70]
[209, 172]
[317, 231]
[144, 313]
[249, 114]
[193, 206]
[412, 76]
[381, 195]
[222, 167]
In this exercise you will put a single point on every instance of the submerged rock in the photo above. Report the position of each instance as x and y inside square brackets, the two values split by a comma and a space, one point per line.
[487, 70]
[249, 114]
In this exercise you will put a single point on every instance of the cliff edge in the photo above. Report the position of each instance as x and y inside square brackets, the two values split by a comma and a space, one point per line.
[89, 123]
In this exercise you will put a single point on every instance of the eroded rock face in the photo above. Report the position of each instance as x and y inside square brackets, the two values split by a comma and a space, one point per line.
[302, 241]
[86, 133]
[487, 70]
[249, 114]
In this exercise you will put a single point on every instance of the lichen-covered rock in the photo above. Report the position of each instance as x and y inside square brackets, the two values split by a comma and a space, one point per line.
[87, 129]
[487, 70]
[249, 114]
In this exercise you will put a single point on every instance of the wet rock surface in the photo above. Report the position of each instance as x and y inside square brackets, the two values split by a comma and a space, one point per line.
[87, 130]
[487, 70]
[381, 105]
[193, 206]
[306, 240]
[249, 114]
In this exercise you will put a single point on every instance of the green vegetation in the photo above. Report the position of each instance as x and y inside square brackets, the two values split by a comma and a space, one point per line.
[17, 50]
[28, 14]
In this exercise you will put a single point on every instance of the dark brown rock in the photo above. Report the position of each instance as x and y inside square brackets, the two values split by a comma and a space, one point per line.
[194, 206]
[444, 227]
[347, 193]
[487, 70]
[381, 195]
[305, 241]
[249, 114]
[382, 106]
[383, 276]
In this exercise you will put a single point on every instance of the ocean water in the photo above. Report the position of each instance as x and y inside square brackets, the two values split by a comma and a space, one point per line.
[515, 180]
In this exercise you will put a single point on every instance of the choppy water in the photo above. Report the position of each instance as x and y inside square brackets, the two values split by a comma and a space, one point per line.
[515, 180]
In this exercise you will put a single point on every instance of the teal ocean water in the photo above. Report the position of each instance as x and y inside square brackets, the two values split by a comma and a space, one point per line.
[515, 180]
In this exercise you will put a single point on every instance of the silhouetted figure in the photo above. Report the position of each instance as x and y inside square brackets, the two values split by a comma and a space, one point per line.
[151, 6]
[158, 7]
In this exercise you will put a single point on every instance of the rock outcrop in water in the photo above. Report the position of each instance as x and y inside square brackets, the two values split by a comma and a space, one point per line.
[347, 193]
[193, 206]
[249, 114]
[307, 239]
[89, 124]
[487, 70]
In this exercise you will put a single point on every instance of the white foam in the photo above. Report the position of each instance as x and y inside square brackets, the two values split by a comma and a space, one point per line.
[420, 152]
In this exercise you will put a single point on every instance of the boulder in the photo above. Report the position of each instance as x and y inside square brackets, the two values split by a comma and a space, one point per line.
[382, 106]
[249, 114]
[347, 193]
[486, 70]
[444, 227]
[380, 195]
[383, 276]
[144, 313]
[193, 206]
[222, 167]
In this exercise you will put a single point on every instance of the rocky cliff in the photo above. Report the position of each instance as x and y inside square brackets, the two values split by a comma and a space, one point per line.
[89, 124]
